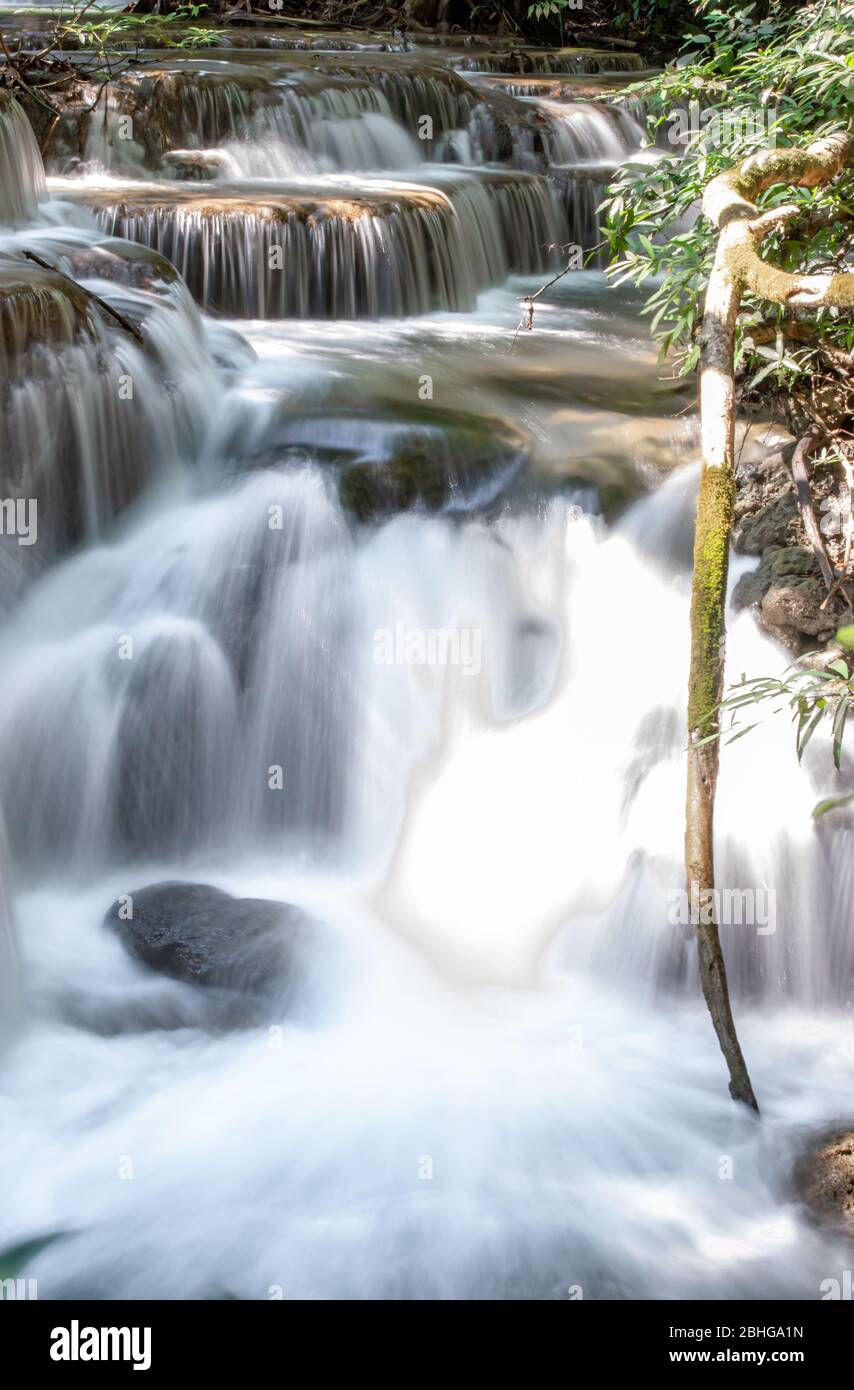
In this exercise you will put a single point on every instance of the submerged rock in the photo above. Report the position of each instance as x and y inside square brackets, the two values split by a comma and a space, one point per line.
[39, 310]
[825, 1179]
[389, 455]
[122, 263]
[460, 472]
[201, 935]
[372, 490]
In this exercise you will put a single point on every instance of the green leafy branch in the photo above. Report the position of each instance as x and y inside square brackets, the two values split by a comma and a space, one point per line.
[792, 72]
[813, 695]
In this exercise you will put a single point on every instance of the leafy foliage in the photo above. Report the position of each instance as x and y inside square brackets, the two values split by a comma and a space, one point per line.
[814, 695]
[549, 9]
[649, 17]
[746, 79]
[103, 31]
[104, 43]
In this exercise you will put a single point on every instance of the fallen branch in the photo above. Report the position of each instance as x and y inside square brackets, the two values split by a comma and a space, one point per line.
[528, 301]
[102, 304]
[848, 475]
[805, 447]
[730, 203]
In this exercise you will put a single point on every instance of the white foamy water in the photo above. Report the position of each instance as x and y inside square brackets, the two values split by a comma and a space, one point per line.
[500, 1081]
[494, 1095]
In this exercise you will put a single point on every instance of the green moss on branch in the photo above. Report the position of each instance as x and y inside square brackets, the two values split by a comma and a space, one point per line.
[708, 598]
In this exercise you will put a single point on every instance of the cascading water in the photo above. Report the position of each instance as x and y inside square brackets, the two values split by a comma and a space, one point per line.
[569, 60]
[382, 248]
[21, 171]
[280, 117]
[499, 1080]
[583, 131]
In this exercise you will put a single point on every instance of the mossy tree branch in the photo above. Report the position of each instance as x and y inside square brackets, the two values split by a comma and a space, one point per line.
[730, 203]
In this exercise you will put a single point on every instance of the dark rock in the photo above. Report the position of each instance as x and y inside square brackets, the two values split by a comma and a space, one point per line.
[825, 1179]
[766, 510]
[794, 616]
[783, 566]
[786, 589]
[767, 525]
[198, 934]
[788, 592]
[370, 490]
[460, 473]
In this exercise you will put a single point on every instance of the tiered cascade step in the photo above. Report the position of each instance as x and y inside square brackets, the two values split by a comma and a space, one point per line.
[336, 248]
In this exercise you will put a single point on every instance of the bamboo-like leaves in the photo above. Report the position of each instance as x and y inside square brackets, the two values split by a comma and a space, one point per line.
[813, 694]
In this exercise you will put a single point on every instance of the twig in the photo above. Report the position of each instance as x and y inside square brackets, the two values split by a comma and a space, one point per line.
[805, 447]
[527, 319]
[849, 520]
[119, 317]
[16, 74]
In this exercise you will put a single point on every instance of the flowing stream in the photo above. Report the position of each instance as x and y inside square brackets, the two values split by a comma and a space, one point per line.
[263, 490]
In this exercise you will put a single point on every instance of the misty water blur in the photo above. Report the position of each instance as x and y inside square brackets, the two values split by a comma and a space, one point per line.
[503, 1082]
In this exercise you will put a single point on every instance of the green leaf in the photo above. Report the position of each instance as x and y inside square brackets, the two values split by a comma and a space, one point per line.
[831, 803]
[804, 735]
[741, 733]
[15, 1259]
[839, 730]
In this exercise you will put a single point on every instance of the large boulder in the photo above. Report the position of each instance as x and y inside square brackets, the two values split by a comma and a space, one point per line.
[199, 934]
[789, 595]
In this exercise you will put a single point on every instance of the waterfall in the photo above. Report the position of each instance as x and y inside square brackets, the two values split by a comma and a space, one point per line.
[276, 120]
[166, 671]
[368, 608]
[22, 181]
[350, 128]
[582, 190]
[569, 60]
[90, 415]
[384, 249]
[584, 131]
[348, 112]
[601, 844]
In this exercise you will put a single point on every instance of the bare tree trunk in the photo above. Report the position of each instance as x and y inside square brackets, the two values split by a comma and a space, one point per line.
[729, 204]
[708, 629]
